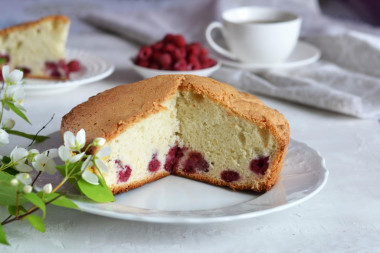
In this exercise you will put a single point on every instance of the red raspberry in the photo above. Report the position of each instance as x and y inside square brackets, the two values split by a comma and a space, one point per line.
[179, 53]
[196, 44]
[153, 65]
[208, 63]
[55, 74]
[193, 64]
[157, 46]
[143, 63]
[73, 66]
[180, 65]
[51, 65]
[156, 57]
[193, 50]
[169, 48]
[168, 38]
[144, 53]
[165, 61]
[179, 41]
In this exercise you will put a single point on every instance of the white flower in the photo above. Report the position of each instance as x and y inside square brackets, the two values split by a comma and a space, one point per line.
[87, 163]
[24, 178]
[18, 156]
[15, 77]
[27, 189]
[9, 123]
[98, 158]
[67, 156]
[51, 153]
[4, 138]
[14, 94]
[32, 154]
[98, 142]
[44, 163]
[75, 142]
[90, 177]
[47, 188]
[14, 182]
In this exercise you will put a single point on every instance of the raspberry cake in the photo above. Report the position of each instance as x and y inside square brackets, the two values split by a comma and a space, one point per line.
[184, 125]
[37, 48]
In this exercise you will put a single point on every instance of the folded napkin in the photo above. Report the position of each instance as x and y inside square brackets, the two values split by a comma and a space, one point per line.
[346, 80]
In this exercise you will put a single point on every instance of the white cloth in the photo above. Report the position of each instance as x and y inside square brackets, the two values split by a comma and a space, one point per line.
[346, 80]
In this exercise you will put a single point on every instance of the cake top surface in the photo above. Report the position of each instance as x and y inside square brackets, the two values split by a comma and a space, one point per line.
[31, 24]
[111, 112]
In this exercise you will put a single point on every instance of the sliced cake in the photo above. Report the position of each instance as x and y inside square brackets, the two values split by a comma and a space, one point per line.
[37, 48]
[184, 125]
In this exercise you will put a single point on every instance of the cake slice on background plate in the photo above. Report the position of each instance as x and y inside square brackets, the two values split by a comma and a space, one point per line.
[184, 125]
[38, 48]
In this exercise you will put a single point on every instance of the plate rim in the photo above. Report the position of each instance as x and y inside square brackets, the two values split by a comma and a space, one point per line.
[176, 219]
[284, 65]
[110, 68]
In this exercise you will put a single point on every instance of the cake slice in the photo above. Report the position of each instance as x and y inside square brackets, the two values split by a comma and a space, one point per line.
[184, 125]
[37, 48]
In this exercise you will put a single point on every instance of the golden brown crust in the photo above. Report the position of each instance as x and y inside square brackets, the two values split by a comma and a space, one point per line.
[30, 24]
[124, 188]
[111, 112]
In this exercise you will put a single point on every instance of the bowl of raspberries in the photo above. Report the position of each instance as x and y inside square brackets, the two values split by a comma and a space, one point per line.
[173, 55]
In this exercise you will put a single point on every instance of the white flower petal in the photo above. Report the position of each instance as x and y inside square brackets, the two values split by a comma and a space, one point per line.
[99, 141]
[51, 153]
[19, 154]
[64, 153]
[76, 158]
[22, 167]
[101, 165]
[104, 152]
[80, 139]
[15, 76]
[24, 178]
[4, 138]
[47, 188]
[90, 177]
[5, 72]
[87, 163]
[69, 140]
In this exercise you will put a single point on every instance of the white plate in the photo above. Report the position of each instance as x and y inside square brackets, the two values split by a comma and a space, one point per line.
[179, 200]
[303, 54]
[147, 72]
[93, 69]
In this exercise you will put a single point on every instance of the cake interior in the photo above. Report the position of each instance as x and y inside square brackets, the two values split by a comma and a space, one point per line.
[37, 49]
[193, 137]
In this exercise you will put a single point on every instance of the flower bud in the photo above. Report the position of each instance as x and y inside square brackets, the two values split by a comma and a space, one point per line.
[27, 189]
[47, 188]
[99, 141]
[14, 182]
[9, 123]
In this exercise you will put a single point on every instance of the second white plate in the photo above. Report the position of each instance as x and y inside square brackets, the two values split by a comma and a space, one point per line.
[93, 69]
[303, 54]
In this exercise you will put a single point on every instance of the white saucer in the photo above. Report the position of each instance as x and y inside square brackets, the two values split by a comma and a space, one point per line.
[93, 69]
[303, 54]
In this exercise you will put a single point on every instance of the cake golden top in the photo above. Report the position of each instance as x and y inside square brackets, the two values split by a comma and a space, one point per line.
[111, 112]
[31, 24]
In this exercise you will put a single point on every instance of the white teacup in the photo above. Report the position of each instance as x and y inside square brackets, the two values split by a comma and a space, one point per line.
[257, 34]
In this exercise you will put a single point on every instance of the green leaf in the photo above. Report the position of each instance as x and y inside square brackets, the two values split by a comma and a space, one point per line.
[17, 111]
[37, 201]
[12, 210]
[37, 138]
[3, 237]
[98, 193]
[8, 192]
[62, 201]
[37, 222]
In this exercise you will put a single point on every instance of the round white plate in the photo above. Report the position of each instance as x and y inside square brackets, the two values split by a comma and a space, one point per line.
[93, 69]
[179, 200]
[303, 54]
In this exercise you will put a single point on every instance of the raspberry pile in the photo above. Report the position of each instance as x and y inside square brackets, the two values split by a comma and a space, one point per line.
[173, 53]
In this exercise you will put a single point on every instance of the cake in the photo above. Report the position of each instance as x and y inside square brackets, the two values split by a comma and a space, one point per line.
[37, 48]
[185, 125]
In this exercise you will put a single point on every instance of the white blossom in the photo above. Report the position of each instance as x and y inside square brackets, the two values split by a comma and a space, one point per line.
[90, 177]
[98, 158]
[24, 178]
[47, 188]
[18, 156]
[27, 188]
[67, 155]
[75, 142]
[44, 163]
[9, 123]
[14, 182]
[98, 142]
[4, 138]
[12, 78]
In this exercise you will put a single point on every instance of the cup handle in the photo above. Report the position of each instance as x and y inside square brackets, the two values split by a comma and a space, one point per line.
[213, 44]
